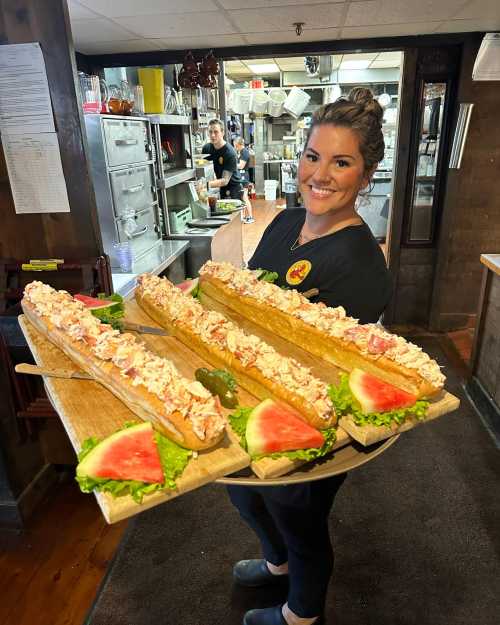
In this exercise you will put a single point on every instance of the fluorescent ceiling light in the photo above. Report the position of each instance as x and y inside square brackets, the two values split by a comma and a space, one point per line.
[265, 68]
[355, 64]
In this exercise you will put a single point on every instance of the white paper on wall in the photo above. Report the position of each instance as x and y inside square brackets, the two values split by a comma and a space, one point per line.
[35, 173]
[25, 105]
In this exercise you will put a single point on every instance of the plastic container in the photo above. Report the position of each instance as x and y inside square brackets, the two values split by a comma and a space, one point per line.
[242, 101]
[138, 100]
[259, 102]
[296, 102]
[90, 93]
[124, 255]
[277, 98]
[270, 189]
[151, 79]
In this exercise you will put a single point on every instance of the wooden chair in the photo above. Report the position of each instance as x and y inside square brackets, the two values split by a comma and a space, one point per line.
[87, 276]
[27, 395]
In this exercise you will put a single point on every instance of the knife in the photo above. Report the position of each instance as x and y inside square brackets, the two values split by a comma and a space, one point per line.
[52, 373]
[137, 327]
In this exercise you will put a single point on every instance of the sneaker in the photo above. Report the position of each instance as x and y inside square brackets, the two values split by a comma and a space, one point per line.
[248, 220]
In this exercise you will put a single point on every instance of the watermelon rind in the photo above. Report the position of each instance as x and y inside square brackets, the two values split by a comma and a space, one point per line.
[189, 287]
[174, 460]
[346, 405]
[273, 427]
[95, 303]
[239, 419]
[376, 395]
[91, 465]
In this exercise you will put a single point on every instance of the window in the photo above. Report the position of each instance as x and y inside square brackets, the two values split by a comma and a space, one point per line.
[424, 196]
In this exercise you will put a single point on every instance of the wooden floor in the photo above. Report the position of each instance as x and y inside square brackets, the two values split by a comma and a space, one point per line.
[264, 212]
[49, 574]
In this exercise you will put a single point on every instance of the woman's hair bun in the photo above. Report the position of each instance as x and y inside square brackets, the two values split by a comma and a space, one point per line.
[364, 97]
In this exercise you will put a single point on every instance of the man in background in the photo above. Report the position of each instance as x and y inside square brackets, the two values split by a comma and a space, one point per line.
[225, 162]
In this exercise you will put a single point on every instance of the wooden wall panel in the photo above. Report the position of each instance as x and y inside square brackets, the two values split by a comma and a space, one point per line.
[67, 235]
[412, 297]
[401, 173]
[471, 214]
[488, 358]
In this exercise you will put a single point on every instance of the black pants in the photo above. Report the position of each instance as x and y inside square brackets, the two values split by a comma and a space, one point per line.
[292, 525]
[233, 192]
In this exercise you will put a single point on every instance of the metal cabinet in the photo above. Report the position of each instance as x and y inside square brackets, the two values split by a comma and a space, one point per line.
[126, 140]
[173, 131]
[140, 229]
[121, 158]
[133, 188]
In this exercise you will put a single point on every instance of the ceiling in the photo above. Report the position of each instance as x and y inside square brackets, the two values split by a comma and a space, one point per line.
[244, 69]
[112, 26]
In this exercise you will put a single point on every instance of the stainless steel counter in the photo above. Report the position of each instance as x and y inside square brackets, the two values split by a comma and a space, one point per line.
[219, 244]
[492, 261]
[155, 262]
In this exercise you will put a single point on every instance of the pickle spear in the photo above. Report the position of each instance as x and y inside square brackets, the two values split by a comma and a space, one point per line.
[219, 382]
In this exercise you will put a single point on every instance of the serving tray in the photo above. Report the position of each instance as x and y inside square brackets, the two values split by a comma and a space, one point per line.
[88, 409]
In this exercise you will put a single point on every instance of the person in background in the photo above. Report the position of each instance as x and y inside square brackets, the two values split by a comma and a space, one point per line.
[225, 162]
[243, 162]
[325, 245]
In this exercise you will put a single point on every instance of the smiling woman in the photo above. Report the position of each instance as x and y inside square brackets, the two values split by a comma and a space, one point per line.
[343, 260]
[327, 247]
[344, 146]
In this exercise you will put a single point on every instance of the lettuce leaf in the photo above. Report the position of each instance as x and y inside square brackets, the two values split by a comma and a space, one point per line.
[196, 291]
[346, 404]
[238, 420]
[113, 315]
[173, 460]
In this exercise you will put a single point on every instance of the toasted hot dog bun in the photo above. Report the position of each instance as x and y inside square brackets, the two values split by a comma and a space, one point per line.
[145, 404]
[268, 306]
[161, 300]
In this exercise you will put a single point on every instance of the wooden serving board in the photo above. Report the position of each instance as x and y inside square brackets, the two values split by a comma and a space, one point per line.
[265, 467]
[347, 431]
[88, 409]
[368, 434]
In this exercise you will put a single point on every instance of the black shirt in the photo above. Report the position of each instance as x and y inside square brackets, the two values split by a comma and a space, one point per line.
[224, 159]
[348, 266]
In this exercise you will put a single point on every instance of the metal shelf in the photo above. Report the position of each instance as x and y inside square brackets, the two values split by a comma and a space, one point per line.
[170, 120]
[176, 176]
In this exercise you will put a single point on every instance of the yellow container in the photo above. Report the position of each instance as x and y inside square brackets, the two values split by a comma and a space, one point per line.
[151, 79]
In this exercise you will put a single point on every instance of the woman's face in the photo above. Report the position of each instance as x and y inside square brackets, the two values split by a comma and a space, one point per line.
[331, 170]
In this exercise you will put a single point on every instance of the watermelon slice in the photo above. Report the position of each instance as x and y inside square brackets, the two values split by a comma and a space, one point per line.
[375, 395]
[275, 427]
[130, 454]
[189, 286]
[94, 303]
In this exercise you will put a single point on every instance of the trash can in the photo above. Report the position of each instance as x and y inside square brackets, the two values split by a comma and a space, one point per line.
[291, 194]
[270, 189]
